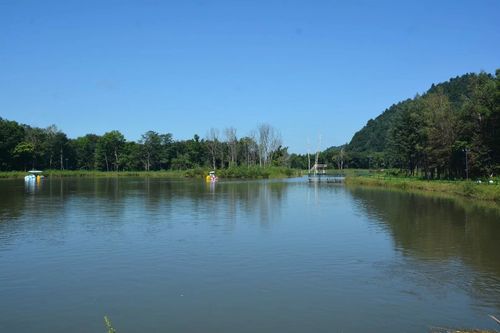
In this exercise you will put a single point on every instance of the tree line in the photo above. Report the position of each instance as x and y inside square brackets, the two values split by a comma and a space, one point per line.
[451, 131]
[24, 147]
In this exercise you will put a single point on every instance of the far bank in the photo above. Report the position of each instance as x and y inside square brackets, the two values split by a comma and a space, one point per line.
[252, 172]
[479, 190]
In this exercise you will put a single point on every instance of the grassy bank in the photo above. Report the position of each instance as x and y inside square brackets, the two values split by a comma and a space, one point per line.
[253, 172]
[92, 173]
[468, 189]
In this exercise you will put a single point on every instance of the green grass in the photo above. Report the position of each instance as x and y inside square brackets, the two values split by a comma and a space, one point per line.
[241, 172]
[12, 174]
[109, 325]
[468, 189]
[92, 173]
[255, 172]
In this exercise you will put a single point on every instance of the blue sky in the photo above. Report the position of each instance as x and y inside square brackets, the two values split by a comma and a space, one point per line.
[308, 68]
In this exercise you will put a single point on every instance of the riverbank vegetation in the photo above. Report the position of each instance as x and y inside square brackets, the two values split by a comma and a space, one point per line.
[482, 190]
[237, 172]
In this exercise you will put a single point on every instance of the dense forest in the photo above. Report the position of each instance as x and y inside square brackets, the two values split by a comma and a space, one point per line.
[24, 147]
[451, 131]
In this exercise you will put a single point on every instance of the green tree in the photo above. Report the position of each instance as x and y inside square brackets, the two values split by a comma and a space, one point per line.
[441, 133]
[25, 152]
[280, 157]
[407, 137]
[151, 150]
[109, 149]
[131, 157]
[85, 148]
[181, 162]
[298, 161]
[168, 151]
[56, 145]
[37, 137]
[248, 151]
[11, 134]
[195, 150]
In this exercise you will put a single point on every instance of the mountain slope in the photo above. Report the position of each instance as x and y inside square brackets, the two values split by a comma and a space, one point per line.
[430, 133]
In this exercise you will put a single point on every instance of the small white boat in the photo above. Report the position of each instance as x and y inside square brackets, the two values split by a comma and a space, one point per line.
[34, 175]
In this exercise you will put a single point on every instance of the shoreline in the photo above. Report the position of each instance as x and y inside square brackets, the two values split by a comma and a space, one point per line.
[229, 173]
[458, 188]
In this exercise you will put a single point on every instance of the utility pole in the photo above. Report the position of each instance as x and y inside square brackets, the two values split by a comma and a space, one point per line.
[466, 151]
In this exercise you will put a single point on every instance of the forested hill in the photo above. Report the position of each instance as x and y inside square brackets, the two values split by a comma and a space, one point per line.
[374, 135]
[430, 133]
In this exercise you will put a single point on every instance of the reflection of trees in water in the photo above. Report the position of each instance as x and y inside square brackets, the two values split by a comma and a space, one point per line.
[319, 193]
[162, 200]
[107, 204]
[177, 201]
[216, 204]
[12, 205]
[11, 200]
[438, 235]
[260, 201]
[32, 210]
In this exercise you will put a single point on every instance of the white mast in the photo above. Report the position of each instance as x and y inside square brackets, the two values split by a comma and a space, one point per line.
[308, 157]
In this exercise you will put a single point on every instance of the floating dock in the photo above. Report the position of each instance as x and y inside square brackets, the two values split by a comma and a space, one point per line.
[317, 174]
[324, 178]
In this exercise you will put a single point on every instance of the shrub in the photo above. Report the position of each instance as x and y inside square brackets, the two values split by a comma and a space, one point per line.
[468, 189]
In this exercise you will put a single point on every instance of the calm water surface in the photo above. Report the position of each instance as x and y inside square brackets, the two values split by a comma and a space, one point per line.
[260, 256]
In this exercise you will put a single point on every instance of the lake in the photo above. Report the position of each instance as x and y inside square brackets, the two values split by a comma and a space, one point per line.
[160, 255]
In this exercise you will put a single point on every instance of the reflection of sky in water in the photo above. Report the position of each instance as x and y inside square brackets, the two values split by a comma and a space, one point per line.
[245, 255]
